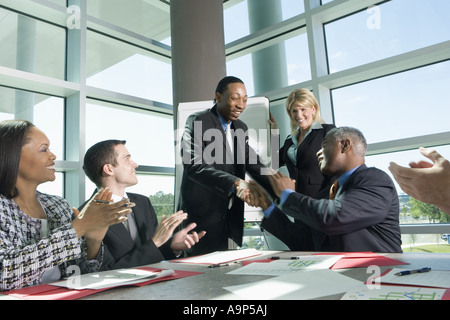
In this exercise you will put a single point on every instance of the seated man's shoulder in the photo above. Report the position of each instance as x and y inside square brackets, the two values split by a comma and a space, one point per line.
[373, 174]
[137, 196]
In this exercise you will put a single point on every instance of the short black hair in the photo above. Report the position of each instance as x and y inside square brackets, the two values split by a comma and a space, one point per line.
[222, 85]
[341, 133]
[97, 156]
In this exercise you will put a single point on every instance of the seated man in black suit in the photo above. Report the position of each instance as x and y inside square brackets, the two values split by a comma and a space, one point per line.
[140, 239]
[361, 216]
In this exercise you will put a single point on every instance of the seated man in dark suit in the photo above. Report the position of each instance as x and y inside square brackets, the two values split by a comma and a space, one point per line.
[140, 239]
[361, 216]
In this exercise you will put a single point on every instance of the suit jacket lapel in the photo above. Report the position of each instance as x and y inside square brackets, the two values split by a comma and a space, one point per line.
[349, 182]
[119, 230]
[122, 233]
[305, 143]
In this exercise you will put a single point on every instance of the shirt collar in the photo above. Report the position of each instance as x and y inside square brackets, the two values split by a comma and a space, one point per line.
[116, 198]
[223, 122]
[316, 125]
[344, 177]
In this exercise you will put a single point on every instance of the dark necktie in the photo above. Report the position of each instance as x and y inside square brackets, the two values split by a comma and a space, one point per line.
[130, 225]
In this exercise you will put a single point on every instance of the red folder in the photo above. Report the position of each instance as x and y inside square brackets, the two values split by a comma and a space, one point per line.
[49, 292]
[363, 260]
[352, 260]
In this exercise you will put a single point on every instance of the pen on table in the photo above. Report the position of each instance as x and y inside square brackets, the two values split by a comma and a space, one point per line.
[218, 265]
[101, 201]
[276, 258]
[406, 272]
[126, 205]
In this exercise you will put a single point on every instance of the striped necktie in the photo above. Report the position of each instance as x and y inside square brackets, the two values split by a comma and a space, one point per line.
[333, 190]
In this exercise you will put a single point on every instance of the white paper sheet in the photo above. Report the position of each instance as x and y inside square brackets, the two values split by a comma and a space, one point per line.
[438, 279]
[280, 267]
[394, 293]
[297, 286]
[112, 278]
[221, 256]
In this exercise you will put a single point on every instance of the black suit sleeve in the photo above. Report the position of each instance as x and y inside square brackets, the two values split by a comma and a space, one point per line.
[364, 201]
[146, 254]
[120, 250]
[295, 235]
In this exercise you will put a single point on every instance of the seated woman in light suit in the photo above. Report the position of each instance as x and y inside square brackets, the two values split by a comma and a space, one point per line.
[39, 238]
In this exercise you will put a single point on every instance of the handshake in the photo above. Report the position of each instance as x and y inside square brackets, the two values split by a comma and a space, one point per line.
[256, 196]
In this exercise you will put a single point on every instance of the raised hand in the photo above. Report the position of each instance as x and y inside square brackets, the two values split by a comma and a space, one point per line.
[425, 181]
[185, 239]
[167, 226]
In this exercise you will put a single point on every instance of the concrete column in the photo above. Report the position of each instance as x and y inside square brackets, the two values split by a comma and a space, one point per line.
[198, 49]
[269, 64]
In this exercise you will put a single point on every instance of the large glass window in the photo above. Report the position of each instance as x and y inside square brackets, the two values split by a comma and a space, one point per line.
[294, 64]
[291, 8]
[31, 45]
[403, 105]
[55, 187]
[242, 68]
[147, 18]
[159, 188]
[278, 64]
[426, 243]
[297, 58]
[59, 2]
[411, 210]
[382, 161]
[383, 31]
[116, 66]
[46, 112]
[149, 136]
[236, 17]
[236, 22]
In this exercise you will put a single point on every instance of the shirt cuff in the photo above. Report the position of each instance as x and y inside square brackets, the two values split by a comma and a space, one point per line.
[284, 195]
[269, 210]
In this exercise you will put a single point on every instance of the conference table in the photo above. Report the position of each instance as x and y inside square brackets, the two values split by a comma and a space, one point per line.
[209, 283]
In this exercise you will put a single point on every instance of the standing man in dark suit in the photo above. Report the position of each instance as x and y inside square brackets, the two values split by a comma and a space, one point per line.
[140, 239]
[359, 214]
[214, 168]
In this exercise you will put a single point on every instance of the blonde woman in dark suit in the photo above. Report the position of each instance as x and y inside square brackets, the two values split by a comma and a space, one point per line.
[298, 152]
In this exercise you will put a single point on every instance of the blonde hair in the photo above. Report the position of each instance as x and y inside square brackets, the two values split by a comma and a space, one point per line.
[306, 99]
